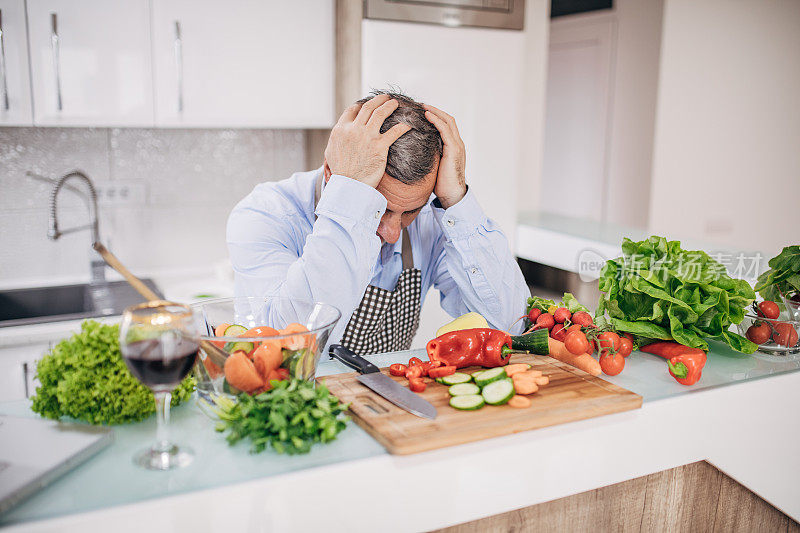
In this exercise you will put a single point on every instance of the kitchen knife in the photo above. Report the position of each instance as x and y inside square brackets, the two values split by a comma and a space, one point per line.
[372, 377]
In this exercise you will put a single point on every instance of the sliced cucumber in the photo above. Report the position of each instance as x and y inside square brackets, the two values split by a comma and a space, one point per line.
[464, 389]
[231, 347]
[467, 403]
[488, 376]
[498, 392]
[455, 379]
[475, 374]
[234, 331]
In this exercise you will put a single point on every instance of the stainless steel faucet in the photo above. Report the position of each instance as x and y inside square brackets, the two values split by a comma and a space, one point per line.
[98, 276]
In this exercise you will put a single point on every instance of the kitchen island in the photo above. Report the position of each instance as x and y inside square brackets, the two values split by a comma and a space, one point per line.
[740, 417]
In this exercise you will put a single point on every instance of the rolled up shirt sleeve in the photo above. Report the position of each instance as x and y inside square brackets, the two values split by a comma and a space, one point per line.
[474, 268]
[333, 265]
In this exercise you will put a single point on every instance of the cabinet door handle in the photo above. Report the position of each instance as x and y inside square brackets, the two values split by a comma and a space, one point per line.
[55, 49]
[3, 74]
[178, 45]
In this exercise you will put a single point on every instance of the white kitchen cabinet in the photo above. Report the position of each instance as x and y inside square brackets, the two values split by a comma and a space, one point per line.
[18, 370]
[91, 62]
[244, 63]
[15, 83]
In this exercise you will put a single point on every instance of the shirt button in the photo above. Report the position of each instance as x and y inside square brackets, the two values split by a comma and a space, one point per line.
[451, 222]
[474, 270]
[377, 215]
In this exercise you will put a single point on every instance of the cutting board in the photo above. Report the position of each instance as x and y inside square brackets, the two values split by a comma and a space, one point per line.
[571, 395]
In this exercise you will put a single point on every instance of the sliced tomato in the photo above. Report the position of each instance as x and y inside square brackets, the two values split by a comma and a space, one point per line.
[416, 385]
[398, 369]
[442, 371]
[413, 372]
[414, 361]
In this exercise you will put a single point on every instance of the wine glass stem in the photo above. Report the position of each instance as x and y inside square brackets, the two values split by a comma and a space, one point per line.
[163, 401]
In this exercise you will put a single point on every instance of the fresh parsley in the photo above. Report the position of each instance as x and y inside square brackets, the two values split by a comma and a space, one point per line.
[291, 417]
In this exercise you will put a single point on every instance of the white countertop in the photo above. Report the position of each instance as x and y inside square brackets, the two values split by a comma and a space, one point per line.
[582, 246]
[747, 429]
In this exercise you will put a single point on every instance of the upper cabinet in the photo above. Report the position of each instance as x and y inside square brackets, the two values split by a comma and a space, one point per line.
[15, 83]
[91, 62]
[244, 63]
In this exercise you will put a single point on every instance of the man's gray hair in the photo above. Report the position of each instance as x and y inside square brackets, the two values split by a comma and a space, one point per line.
[414, 154]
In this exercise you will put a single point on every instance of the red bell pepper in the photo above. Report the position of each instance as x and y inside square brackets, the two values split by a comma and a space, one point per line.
[685, 363]
[471, 347]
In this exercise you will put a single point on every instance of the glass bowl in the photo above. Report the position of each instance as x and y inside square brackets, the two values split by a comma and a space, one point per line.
[792, 306]
[271, 338]
[780, 333]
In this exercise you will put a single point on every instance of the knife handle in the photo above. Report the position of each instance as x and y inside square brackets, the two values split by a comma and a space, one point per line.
[356, 362]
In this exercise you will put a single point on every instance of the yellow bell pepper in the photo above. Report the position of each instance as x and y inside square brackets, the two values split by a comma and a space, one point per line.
[471, 320]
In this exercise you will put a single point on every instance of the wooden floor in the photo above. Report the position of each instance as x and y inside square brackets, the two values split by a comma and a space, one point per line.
[695, 497]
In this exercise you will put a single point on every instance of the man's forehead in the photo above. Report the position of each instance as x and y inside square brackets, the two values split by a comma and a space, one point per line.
[406, 196]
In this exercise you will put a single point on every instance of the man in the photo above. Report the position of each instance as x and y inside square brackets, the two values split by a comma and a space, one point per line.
[361, 234]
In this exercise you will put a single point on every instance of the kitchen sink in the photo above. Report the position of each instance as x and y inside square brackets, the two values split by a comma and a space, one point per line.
[67, 302]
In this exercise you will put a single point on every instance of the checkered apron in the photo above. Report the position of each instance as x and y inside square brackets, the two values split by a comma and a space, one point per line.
[385, 321]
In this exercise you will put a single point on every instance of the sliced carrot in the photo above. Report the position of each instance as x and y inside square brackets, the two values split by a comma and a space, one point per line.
[531, 373]
[516, 368]
[525, 386]
[541, 381]
[584, 362]
[520, 402]
[241, 372]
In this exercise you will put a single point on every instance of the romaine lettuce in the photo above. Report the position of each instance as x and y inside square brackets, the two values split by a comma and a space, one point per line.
[658, 291]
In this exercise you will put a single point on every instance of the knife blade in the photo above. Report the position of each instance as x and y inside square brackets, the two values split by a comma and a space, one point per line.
[385, 386]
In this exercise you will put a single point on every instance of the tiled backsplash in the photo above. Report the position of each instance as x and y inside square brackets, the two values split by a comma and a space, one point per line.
[193, 178]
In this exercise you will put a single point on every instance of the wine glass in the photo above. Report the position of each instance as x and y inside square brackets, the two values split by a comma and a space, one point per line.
[159, 342]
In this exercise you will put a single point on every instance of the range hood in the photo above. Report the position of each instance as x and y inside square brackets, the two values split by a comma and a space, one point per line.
[503, 14]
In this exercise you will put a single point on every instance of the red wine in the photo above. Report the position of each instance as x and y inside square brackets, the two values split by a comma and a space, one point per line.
[160, 372]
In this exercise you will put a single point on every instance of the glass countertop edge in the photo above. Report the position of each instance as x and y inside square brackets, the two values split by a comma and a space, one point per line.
[646, 375]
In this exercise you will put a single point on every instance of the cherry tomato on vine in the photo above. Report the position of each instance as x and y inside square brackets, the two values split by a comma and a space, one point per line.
[608, 339]
[576, 342]
[612, 363]
[625, 346]
[769, 309]
[759, 333]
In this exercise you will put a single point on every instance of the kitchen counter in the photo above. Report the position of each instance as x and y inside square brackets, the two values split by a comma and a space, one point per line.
[740, 418]
[582, 246]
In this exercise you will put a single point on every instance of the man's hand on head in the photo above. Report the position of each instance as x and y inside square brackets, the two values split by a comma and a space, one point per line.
[357, 149]
[451, 185]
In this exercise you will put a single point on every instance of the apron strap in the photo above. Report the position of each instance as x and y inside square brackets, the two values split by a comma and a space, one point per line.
[407, 254]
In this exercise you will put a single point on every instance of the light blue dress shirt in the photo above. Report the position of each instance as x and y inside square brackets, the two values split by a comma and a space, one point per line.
[279, 248]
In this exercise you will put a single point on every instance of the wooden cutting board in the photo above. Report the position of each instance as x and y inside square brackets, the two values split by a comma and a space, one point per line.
[571, 395]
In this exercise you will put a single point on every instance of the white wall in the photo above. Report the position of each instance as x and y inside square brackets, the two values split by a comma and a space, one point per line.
[534, 84]
[633, 111]
[602, 89]
[727, 144]
[492, 82]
